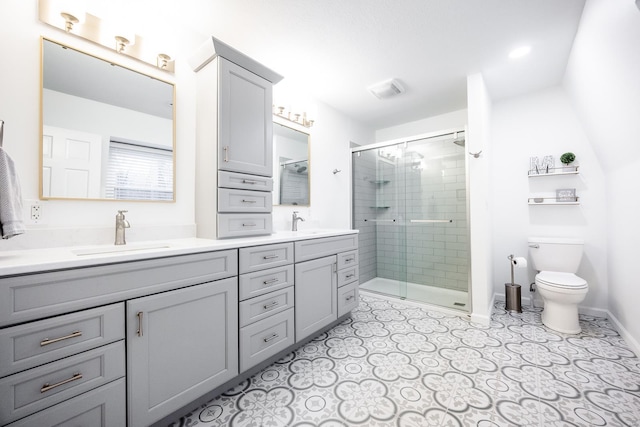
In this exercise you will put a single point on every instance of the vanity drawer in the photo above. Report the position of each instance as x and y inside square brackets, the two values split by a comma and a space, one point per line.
[347, 259]
[30, 391]
[36, 343]
[244, 224]
[34, 296]
[262, 340]
[233, 200]
[261, 307]
[348, 275]
[264, 281]
[266, 256]
[104, 406]
[244, 182]
[317, 248]
[347, 298]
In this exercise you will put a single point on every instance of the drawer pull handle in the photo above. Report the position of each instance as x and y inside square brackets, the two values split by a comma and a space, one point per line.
[270, 281]
[349, 276]
[45, 388]
[226, 153]
[47, 341]
[249, 224]
[270, 257]
[248, 181]
[272, 304]
[349, 298]
[248, 201]
[270, 338]
[349, 260]
[139, 331]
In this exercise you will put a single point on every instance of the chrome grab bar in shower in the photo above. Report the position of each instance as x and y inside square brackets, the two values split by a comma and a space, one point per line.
[430, 220]
[380, 220]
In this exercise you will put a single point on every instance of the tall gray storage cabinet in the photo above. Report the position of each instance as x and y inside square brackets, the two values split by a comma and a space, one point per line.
[234, 132]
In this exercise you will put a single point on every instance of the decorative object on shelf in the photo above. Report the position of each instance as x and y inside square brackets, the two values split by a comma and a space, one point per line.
[538, 199]
[566, 195]
[537, 167]
[71, 17]
[566, 159]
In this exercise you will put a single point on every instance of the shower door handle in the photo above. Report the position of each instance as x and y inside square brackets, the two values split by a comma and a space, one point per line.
[430, 220]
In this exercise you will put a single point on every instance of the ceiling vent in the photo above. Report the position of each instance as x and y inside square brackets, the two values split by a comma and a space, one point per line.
[386, 89]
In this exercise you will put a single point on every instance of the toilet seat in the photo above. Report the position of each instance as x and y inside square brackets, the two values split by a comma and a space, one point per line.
[556, 279]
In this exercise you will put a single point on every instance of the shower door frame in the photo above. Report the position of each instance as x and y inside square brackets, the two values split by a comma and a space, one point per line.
[406, 141]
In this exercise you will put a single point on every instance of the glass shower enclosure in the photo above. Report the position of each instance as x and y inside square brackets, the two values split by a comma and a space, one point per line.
[410, 207]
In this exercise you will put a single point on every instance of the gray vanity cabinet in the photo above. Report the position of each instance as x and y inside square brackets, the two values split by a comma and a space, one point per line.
[180, 345]
[316, 295]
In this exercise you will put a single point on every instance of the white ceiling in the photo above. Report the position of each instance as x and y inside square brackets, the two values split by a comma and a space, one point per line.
[336, 48]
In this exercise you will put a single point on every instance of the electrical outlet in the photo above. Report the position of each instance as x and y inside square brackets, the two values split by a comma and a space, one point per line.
[36, 213]
[33, 212]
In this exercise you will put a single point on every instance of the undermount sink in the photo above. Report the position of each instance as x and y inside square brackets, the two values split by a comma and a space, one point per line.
[98, 250]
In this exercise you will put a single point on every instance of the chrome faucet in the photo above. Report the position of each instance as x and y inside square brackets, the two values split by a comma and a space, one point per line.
[294, 221]
[121, 224]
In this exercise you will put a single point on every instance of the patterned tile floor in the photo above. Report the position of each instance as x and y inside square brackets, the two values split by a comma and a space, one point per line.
[397, 365]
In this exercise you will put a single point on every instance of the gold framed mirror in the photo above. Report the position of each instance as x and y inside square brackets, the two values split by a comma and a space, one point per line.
[292, 166]
[108, 132]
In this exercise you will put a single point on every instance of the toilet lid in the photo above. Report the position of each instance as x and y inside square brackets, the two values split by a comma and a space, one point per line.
[561, 280]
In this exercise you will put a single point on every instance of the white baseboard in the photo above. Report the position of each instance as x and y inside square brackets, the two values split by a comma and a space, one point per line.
[631, 342]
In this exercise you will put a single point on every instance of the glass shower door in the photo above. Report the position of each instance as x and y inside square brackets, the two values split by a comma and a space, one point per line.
[435, 221]
[378, 209]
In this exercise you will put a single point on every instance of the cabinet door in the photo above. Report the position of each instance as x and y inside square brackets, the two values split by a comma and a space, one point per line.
[315, 295]
[180, 345]
[245, 126]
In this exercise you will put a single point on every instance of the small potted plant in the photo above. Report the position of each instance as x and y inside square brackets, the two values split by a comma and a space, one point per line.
[566, 159]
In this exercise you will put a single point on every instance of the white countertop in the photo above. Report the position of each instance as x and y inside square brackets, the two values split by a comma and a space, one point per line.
[38, 260]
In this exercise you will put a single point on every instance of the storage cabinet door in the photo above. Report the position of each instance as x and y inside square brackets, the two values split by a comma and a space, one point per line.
[315, 295]
[180, 345]
[245, 125]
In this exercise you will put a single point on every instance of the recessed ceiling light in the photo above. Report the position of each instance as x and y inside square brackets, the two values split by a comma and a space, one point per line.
[520, 52]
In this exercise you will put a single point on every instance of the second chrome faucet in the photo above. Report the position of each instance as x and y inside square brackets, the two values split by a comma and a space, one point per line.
[294, 221]
[121, 225]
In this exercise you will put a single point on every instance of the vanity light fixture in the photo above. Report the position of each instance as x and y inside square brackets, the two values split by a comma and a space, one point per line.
[121, 43]
[298, 118]
[70, 16]
[69, 20]
[163, 60]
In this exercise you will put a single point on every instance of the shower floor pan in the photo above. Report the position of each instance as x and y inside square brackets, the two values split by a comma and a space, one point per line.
[449, 298]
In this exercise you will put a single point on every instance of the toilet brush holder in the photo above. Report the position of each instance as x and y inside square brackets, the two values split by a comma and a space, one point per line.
[513, 293]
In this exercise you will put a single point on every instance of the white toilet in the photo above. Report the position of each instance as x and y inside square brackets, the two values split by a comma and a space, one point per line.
[557, 260]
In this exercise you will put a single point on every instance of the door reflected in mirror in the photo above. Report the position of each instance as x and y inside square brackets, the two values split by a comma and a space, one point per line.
[107, 131]
[292, 167]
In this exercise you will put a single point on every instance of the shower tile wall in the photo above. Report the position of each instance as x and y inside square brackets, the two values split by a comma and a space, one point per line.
[432, 185]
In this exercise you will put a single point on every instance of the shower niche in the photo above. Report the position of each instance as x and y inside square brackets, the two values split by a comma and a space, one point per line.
[410, 206]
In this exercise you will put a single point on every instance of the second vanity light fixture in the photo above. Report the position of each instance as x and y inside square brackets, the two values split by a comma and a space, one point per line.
[70, 16]
[302, 118]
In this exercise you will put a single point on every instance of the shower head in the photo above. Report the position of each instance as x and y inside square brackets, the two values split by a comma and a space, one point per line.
[300, 169]
[458, 140]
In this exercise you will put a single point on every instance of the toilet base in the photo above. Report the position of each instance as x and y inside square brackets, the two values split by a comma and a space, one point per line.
[561, 317]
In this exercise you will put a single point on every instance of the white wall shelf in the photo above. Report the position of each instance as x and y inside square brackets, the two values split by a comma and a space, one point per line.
[555, 172]
[551, 201]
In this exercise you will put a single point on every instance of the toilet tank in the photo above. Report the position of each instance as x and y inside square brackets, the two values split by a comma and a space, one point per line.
[555, 254]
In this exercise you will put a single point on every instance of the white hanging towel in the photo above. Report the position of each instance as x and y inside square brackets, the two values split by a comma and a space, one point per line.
[10, 196]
